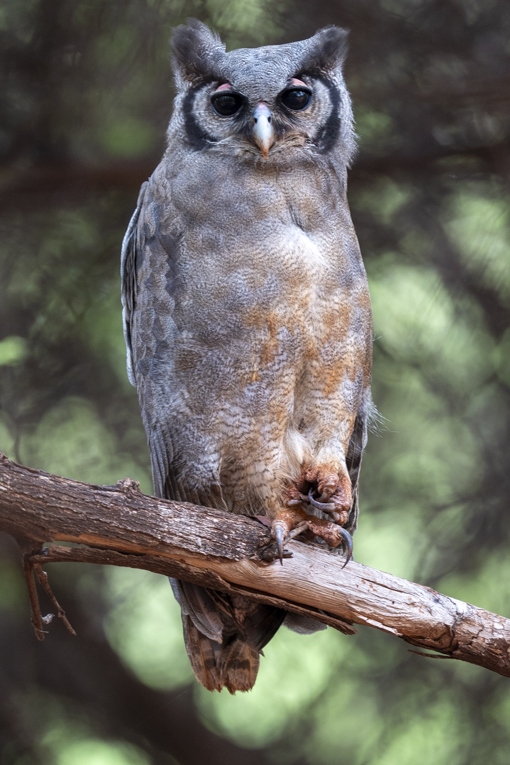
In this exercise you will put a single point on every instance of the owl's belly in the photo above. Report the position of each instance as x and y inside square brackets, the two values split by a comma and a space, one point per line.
[284, 326]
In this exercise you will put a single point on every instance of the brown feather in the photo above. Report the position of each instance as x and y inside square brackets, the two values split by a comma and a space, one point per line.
[238, 665]
[202, 653]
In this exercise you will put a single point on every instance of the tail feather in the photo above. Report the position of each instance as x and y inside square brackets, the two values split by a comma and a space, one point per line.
[228, 656]
[238, 665]
[203, 656]
[224, 633]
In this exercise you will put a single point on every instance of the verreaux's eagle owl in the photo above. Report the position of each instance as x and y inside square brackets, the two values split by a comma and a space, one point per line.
[247, 313]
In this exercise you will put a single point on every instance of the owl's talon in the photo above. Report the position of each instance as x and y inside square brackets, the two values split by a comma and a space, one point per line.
[279, 536]
[326, 507]
[291, 522]
[346, 544]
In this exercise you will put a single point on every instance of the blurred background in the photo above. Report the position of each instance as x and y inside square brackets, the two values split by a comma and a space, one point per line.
[85, 96]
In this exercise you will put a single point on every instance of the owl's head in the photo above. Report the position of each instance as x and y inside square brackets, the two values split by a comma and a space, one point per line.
[268, 102]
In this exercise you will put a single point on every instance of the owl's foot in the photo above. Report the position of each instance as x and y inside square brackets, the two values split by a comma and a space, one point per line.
[291, 521]
[326, 490]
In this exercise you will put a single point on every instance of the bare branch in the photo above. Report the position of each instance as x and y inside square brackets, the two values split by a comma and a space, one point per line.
[37, 620]
[120, 526]
[42, 578]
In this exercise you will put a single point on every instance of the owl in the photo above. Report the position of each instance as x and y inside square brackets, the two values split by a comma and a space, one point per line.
[247, 315]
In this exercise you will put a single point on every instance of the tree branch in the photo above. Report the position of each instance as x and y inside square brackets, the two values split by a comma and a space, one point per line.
[120, 526]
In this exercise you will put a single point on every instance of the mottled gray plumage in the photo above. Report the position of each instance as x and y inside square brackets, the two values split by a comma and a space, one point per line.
[247, 314]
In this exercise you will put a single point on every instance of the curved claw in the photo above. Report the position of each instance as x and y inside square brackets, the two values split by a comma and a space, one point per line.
[279, 536]
[324, 506]
[346, 544]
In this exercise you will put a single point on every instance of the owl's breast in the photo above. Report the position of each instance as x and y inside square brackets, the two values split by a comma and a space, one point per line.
[251, 283]
[269, 299]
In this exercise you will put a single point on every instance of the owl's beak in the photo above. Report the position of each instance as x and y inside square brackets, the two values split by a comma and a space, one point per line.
[263, 131]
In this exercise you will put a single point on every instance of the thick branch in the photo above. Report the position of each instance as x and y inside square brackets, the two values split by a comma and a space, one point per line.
[121, 526]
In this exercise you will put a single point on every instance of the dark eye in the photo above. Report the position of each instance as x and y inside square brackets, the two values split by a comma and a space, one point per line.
[227, 104]
[296, 98]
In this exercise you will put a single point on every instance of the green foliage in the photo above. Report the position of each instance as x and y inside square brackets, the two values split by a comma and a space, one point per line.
[293, 674]
[67, 749]
[12, 350]
[144, 626]
[71, 440]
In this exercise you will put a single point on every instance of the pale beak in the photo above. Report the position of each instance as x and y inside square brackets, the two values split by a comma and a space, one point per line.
[263, 130]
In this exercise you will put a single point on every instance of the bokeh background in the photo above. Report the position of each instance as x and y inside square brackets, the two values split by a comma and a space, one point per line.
[85, 96]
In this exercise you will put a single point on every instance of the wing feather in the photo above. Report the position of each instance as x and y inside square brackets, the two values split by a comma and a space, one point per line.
[128, 275]
[133, 245]
[354, 456]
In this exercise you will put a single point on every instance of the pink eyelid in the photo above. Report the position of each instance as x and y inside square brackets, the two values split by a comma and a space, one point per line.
[293, 81]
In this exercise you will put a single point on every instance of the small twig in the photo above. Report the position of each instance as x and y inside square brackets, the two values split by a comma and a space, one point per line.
[37, 621]
[42, 576]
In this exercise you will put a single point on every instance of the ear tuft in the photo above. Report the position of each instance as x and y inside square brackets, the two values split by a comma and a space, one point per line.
[195, 51]
[327, 50]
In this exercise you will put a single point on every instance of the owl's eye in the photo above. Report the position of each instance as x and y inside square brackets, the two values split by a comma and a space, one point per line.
[296, 98]
[226, 104]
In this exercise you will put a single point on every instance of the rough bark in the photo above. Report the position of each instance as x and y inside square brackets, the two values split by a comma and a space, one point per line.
[118, 525]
